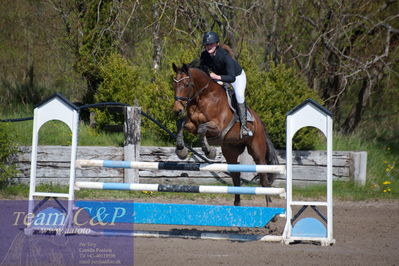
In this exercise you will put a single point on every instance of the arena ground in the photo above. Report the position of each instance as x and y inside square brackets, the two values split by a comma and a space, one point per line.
[366, 233]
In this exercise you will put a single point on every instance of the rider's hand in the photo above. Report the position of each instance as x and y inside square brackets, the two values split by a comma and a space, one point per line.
[214, 76]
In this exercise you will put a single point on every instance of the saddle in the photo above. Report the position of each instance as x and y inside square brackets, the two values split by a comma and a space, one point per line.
[232, 102]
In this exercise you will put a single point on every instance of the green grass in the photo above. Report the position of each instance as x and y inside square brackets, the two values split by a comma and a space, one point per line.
[341, 191]
[382, 166]
[57, 133]
[347, 191]
[21, 191]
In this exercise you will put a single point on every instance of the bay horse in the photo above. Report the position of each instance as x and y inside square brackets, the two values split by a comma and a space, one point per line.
[202, 108]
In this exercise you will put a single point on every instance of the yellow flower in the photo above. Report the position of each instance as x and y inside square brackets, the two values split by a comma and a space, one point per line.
[384, 190]
[386, 183]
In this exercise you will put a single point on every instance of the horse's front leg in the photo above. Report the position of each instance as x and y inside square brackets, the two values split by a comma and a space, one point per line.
[181, 150]
[212, 128]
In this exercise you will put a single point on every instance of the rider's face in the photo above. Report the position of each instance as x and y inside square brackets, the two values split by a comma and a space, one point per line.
[211, 48]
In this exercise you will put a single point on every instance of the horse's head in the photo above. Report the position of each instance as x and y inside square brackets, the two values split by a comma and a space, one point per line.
[183, 87]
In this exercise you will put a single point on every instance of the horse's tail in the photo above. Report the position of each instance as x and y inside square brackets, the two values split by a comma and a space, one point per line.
[271, 154]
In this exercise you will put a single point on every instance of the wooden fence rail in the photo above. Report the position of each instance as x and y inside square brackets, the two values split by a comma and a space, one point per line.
[53, 166]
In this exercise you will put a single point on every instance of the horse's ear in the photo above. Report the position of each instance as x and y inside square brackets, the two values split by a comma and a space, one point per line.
[174, 67]
[185, 68]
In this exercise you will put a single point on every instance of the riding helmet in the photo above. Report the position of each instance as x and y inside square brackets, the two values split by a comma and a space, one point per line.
[210, 37]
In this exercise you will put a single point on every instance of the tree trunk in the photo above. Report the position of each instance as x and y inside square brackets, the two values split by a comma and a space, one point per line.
[355, 114]
[271, 48]
[156, 42]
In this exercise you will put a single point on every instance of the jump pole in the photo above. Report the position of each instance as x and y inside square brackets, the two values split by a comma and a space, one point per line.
[273, 169]
[182, 188]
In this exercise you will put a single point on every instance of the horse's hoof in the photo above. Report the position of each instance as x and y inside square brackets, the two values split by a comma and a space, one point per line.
[212, 153]
[182, 153]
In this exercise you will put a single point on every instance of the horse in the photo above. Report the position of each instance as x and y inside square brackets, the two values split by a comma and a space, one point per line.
[201, 106]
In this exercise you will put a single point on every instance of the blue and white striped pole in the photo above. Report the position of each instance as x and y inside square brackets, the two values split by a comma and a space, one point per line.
[180, 166]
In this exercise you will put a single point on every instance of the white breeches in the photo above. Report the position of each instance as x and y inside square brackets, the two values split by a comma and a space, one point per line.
[239, 87]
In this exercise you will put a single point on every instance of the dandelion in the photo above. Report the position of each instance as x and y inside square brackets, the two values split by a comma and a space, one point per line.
[386, 183]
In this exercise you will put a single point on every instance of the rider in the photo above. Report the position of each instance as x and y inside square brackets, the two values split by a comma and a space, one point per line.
[224, 68]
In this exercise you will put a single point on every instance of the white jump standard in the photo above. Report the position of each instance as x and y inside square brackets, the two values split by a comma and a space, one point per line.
[309, 113]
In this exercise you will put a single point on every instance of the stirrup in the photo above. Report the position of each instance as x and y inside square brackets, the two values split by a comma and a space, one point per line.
[246, 132]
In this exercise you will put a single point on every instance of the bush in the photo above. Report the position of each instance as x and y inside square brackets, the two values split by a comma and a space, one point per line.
[272, 94]
[8, 149]
[124, 83]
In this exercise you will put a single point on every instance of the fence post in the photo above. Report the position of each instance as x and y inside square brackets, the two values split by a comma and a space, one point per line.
[132, 141]
[359, 167]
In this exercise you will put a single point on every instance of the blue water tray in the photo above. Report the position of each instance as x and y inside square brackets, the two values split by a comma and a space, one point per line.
[179, 214]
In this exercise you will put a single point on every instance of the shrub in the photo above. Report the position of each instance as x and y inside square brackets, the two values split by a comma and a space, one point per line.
[8, 149]
[124, 83]
[272, 94]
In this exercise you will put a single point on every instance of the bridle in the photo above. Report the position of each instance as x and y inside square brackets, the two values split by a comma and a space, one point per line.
[179, 98]
[191, 86]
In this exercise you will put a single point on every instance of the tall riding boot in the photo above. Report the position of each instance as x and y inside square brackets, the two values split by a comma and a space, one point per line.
[242, 112]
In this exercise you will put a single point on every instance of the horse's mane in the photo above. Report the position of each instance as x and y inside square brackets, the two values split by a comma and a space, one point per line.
[195, 64]
[204, 71]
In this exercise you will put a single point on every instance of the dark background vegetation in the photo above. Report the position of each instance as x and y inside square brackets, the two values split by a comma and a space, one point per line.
[344, 54]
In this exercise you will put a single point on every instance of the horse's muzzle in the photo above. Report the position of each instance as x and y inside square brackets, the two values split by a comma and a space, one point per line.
[179, 109]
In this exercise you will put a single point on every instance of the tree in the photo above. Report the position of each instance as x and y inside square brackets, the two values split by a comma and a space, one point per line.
[344, 48]
[93, 30]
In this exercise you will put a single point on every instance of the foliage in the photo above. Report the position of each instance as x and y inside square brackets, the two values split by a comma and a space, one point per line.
[123, 83]
[272, 94]
[346, 50]
[98, 40]
[382, 161]
[8, 149]
[33, 59]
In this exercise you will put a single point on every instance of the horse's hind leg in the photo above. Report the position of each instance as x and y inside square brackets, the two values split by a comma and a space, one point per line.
[257, 150]
[231, 153]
